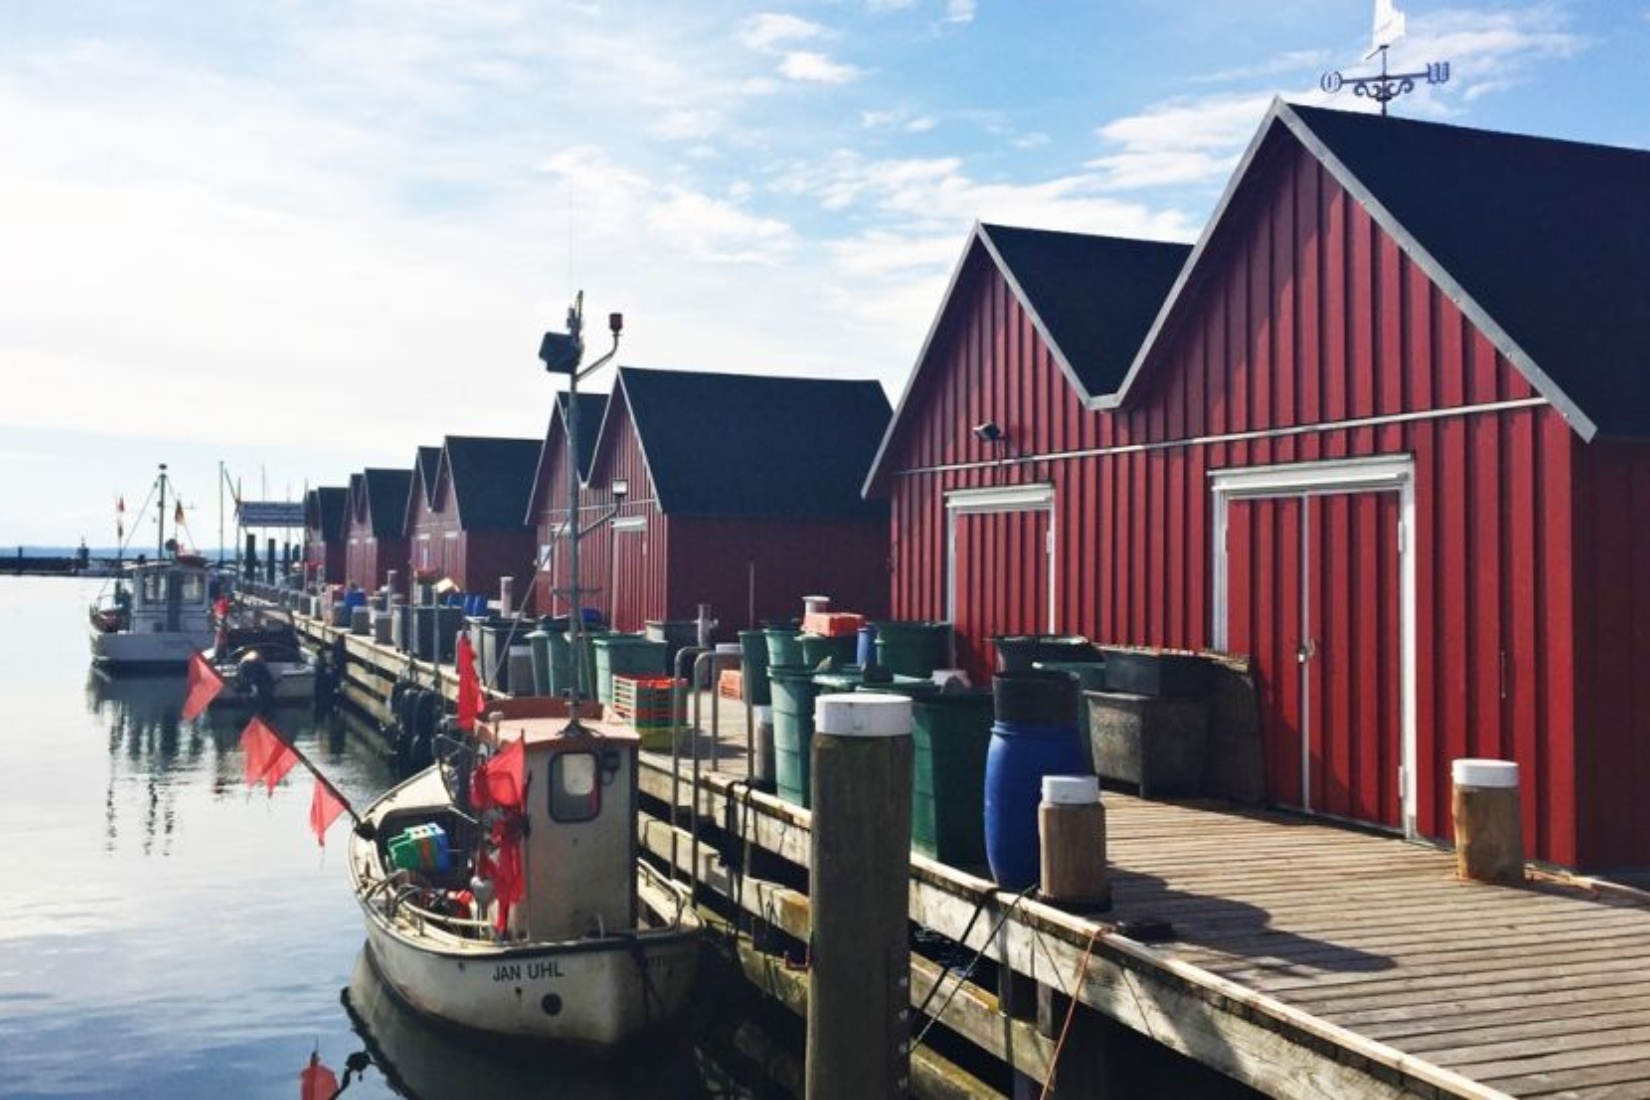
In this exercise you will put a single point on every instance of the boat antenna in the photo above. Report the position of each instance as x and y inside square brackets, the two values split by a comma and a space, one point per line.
[561, 353]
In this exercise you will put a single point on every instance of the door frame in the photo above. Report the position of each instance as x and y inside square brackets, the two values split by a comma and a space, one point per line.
[1038, 497]
[1384, 473]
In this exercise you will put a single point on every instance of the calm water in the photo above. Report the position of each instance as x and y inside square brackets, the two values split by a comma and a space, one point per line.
[165, 932]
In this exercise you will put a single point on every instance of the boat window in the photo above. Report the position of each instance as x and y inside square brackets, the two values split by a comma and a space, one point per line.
[154, 588]
[194, 588]
[575, 789]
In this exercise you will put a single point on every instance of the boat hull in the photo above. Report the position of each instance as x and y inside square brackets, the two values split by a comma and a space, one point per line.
[159, 650]
[592, 994]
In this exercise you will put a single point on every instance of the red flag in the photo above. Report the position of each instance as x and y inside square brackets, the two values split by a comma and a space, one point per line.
[177, 513]
[317, 1082]
[504, 869]
[324, 808]
[120, 504]
[470, 699]
[268, 756]
[498, 783]
[204, 685]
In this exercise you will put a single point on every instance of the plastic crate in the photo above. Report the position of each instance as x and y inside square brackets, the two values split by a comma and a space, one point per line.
[731, 685]
[832, 624]
[648, 705]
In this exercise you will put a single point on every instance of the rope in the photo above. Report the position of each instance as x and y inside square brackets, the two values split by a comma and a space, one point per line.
[1071, 1011]
[969, 969]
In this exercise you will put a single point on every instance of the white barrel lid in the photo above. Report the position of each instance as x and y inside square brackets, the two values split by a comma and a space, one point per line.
[862, 714]
[764, 714]
[1071, 790]
[1498, 774]
[943, 676]
[727, 647]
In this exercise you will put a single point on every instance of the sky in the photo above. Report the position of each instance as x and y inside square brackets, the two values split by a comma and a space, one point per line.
[273, 243]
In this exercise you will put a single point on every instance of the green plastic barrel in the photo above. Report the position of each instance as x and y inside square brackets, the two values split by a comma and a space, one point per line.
[587, 666]
[842, 648]
[1090, 676]
[914, 648]
[626, 655]
[913, 686]
[753, 667]
[950, 735]
[783, 648]
[538, 639]
[845, 678]
[793, 730]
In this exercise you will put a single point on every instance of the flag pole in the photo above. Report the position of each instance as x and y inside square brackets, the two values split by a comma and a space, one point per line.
[313, 770]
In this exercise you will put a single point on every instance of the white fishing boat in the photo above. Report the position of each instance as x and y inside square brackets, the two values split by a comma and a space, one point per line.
[580, 943]
[261, 666]
[158, 613]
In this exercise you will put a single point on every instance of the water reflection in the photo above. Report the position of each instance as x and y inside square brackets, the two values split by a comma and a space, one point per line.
[422, 1062]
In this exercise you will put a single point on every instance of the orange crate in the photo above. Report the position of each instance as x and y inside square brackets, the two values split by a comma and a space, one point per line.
[731, 684]
[832, 624]
[645, 700]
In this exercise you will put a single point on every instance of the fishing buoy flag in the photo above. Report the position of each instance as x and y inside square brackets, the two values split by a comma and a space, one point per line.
[204, 686]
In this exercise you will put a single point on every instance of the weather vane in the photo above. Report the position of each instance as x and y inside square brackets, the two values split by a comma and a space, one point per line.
[1385, 87]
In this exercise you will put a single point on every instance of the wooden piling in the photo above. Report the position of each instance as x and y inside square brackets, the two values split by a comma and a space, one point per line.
[859, 982]
[1489, 828]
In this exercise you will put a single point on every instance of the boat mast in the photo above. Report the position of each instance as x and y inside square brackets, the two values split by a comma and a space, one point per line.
[160, 518]
[561, 353]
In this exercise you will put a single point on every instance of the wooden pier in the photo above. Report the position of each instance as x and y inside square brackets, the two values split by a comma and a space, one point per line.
[1300, 958]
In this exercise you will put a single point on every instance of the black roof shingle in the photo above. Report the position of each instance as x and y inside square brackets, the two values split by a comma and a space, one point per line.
[491, 480]
[756, 445]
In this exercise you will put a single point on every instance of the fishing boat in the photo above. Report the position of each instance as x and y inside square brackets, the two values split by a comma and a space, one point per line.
[261, 666]
[159, 612]
[508, 900]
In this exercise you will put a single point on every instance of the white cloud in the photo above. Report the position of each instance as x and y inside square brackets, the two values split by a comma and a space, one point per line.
[959, 11]
[1182, 141]
[709, 229]
[768, 31]
[1488, 51]
[897, 120]
[816, 68]
[687, 124]
[1293, 62]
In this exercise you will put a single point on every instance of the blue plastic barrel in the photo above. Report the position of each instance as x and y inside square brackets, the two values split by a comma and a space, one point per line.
[1035, 735]
[867, 652]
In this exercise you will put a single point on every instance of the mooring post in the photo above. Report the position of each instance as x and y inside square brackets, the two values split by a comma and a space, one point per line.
[859, 996]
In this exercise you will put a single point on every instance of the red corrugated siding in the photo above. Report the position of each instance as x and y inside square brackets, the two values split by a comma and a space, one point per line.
[627, 566]
[1613, 610]
[1303, 312]
[750, 570]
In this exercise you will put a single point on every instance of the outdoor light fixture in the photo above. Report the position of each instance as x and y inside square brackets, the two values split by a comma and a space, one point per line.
[988, 432]
[561, 352]
[621, 486]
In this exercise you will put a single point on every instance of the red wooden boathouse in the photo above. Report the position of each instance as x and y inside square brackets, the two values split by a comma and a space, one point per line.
[324, 538]
[466, 524]
[1386, 435]
[742, 492]
[374, 534]
[547, 503]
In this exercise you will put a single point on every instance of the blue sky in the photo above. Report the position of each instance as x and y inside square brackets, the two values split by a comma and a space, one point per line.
[306, 236]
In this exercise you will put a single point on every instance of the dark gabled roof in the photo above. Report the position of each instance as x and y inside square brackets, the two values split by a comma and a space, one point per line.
[1545, 245]
[427, 466]
[1550, 238]
[386, 496]
[324, 508]
[591, 408]
[1093, 298]
[754, 445]
[491, 480]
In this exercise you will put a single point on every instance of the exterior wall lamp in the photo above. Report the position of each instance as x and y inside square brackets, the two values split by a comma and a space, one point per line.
[989, 432]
